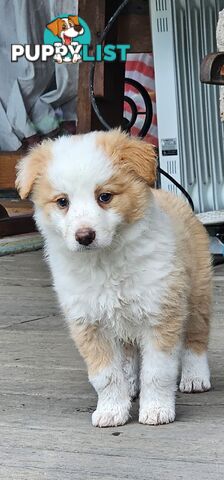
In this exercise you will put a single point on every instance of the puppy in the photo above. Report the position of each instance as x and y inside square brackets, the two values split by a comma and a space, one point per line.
[66, 28]
[131, 268]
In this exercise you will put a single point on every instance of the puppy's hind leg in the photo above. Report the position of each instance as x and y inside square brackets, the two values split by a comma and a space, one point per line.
[130, 366]
[195, 370]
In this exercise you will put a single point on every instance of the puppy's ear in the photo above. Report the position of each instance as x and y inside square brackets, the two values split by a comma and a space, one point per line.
[77, 26]
[74, 19]
[30, 168]
[54, 27]
[140, 157]
[135, 155]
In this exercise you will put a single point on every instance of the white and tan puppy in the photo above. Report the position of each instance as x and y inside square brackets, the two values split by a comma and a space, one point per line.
[131, 268]
[66, 28]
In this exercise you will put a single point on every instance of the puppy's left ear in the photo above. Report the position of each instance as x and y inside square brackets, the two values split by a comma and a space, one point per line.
[31, 167]
[140, 158]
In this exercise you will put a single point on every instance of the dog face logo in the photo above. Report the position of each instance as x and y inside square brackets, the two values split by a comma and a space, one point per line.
[67, 39]
[66, 28]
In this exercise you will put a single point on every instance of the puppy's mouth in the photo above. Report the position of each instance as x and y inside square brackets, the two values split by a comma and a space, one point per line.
[67, 40]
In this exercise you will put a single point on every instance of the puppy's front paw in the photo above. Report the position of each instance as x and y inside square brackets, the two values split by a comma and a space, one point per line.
[192, 384]
[110, 416]
[76, 58]
[155, 415]
[58, 58]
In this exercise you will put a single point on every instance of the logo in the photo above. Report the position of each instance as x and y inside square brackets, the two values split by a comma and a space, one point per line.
[67, 39]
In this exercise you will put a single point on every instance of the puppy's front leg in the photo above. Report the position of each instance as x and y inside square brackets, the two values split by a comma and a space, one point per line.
[158, 380]
[104, 362]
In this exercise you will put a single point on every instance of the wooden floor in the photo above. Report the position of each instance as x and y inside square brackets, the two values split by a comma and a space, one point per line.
[46, 401]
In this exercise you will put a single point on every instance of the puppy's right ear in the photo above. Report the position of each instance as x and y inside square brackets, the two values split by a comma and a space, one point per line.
[30, 168]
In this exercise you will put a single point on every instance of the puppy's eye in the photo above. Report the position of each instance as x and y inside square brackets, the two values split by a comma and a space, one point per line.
[64, 27]
[63, 202]
[105, 197]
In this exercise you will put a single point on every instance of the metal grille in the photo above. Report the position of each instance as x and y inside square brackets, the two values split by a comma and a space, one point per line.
[200, 129]
[161, 5]
[162, 24]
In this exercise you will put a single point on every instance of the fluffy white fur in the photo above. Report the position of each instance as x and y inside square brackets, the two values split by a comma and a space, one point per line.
[195, 372]
[159, 377]
[111, 285]
[118, 282]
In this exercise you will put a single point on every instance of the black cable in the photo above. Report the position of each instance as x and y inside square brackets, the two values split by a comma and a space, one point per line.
[178, 185]
[96, 109]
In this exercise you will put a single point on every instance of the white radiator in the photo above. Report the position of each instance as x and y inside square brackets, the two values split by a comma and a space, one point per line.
[191, 140]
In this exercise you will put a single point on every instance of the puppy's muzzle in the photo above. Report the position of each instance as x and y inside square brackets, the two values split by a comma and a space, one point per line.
[85, 236]
[78, 28]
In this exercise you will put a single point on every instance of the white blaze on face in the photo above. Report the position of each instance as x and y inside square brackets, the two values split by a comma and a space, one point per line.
[77, 169]
[69, 33]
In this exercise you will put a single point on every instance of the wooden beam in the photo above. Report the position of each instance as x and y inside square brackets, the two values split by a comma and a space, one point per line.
[8, 162]
[94, 14]
[15, 207]
[16, 225]
[109, 77]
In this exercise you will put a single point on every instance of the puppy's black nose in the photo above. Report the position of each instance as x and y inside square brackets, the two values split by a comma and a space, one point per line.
[85, 236]
[78, 28]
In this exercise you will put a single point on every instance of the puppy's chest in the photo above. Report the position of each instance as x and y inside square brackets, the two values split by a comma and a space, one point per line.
[119, 298]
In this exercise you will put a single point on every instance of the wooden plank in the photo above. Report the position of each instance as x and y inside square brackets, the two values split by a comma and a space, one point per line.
[3, 212]
[135, 29]
[94, 14]
[84, 113]
[109, 77]
[46, 400]
[16, 225]
[8, 162]
[111, 105]
[17, 207]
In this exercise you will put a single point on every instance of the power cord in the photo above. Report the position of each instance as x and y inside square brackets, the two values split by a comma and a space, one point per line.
[178, 185]
[97, 111]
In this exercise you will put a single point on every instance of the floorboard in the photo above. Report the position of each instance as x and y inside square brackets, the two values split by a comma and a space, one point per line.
[46, 401]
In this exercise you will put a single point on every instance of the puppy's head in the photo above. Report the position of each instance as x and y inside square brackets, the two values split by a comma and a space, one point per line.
[66, 28]
[86, 188]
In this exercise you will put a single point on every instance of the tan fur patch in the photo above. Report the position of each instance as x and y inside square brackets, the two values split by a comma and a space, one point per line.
[186, 306]
[74, 19]
[130, 195]
[132, 154]
[95, 349]
[45, 196]
[56, 26]
[135, 170]
[169, 333]
[32, 167]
